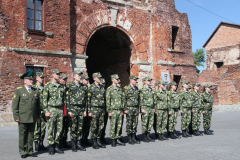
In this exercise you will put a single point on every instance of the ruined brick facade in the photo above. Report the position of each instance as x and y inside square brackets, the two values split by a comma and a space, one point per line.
[111, 36]
[223, 67]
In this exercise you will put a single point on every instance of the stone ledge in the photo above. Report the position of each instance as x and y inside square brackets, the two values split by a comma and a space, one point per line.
[141, 62]
[80, 56]
[165, 63]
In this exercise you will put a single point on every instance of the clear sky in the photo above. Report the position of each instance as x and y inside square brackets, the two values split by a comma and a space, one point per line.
[202, 22]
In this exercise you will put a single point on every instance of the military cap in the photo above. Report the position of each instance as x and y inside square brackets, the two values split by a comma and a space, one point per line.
[77, 72]
[63, 76]
[40, 74]
[190, 86]
[97, 74]
[56, 70]
[207, 86]
[173, 84]
[115, 76]
[103, 80]
[184, 82]
[196, 84]
[161, 82]
[147, 79]
[27, 75]
[133, 77]
[85, 77]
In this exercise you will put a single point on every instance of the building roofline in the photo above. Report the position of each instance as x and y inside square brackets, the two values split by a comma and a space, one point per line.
[221, 23]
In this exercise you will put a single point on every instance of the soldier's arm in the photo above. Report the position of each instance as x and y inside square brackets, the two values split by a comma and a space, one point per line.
[68, 92]
[140, 100]
[181, 97]
[155, 100]
[123, 101]
[15, 105]
[45, 99]
[108, 100]
[89, 99]
[38, 105]
[125, 98]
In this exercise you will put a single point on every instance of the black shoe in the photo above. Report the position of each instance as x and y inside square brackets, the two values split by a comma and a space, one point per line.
[160, 138]
[130, 140]
[60, 146]
[65, 143]
[164, 138]
[184, 134]
[195, 133]
[177, 137]
[119, 142]
[134, 139]
[23, 156]
[79, 146]
[113, 143]
[200, 134]
[95, 145]
[74, 149]
[103, 141]
[189, 135]
[172, 136]
[100, 145]
[37, 146]
[145, 138]
[86, 142]
[57, 149]
[32, 155]
[156, 135]
[51, 150]
[210, 133]
[150, 139]
[41, 146]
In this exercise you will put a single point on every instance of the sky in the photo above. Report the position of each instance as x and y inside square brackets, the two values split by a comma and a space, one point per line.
[202, 22]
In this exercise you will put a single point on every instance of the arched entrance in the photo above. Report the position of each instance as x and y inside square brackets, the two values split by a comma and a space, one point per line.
[109, 52]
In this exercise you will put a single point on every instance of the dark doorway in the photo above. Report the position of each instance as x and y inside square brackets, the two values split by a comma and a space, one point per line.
[109, 52]
[177, 78]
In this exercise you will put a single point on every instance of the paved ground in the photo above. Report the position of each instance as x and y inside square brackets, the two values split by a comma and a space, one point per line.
[224, 144]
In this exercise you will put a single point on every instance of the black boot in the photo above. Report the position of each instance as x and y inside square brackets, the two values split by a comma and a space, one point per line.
[195, 133]
[100, 145]
[103, 141]
[37, 146]
[172, 136]
[184, 134]
[177, 137]
[164, 138]
[65, 143]
[113, 142]
[41, 146]
[134, 139]
[150, 139]
[209, 132]
[79, 146]
[95, 145]
[160, 138]
[200, 134]
[57, 150]
[119, 142]
[130, 140]
[74, 146]
[51, 149]
[60, 144]
[145, 138]
[189, 135]
[156, 135]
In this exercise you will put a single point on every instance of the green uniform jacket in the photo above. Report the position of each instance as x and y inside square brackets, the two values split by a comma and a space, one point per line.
[160, 100]
[25, 106]
[207, 101]
[76, 96]
[131, 97]
[114, 99]
[40, 95]
[185, 99]
[96, 96]
[146, 98]
[173, 100]
[196, 100]
[53, 96]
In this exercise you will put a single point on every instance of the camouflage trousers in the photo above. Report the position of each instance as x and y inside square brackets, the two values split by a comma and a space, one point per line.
[40, 128]
[196, 119]
[172, 119]
[105, 125]
[120, 133]
[97, 123]
[132, 120]
[77, 124]
[67, 122]
[161, 120]
[147, 119]
[186, 118]
[207, 119]
[55, 125]
[86, 126]
[115, 124]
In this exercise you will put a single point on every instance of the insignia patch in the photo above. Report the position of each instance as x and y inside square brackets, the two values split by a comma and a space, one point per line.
[14, 96]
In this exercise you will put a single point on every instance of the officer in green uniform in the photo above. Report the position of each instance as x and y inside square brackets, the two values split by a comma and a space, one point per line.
[207, 102]
[115, 106]
[54, 98]
[185, 108]
[26, 111]
[147, 109]
[161, 110]
[40, 127]
[173, 107]
[96, 109]
[196, 109]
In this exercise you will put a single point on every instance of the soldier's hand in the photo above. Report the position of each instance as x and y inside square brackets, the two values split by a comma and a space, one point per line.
[155, 112]
[18, 120]
[110, 114]
[143, 111]
[47, 114]
[90, 114]
[169, 113]
[122, 113]
[126, 112]
[70, 114]
[181, 111]
[203, 112]
[192, 111]
[84, 114]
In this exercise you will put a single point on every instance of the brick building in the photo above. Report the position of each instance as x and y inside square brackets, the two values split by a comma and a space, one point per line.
[223, 67]
[127, 37]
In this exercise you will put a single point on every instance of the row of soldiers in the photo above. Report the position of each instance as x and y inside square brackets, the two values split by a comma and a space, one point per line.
[89, 106]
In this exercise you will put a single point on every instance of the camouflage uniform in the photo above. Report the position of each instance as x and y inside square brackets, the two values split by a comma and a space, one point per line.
[196, 107]
[115, 105]
[105, 118]
[207, 102]
[86, 120]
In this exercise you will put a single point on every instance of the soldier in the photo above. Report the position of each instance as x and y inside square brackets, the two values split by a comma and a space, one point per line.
[120, 133]
[26, 111]
[207, 102]
[131, 97]
[66, 119]
[185, 108]
[155, 116]
[96, 109]
[76, 106]
[161, 110]
[147, 109]
[53, 101]
[196, 109]
[40, 127]
[173, 107]
[115, 105]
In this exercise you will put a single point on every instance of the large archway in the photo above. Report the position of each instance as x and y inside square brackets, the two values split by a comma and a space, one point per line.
[109, 52]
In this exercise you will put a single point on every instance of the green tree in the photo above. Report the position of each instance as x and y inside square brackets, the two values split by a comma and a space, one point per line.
[199, 59]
